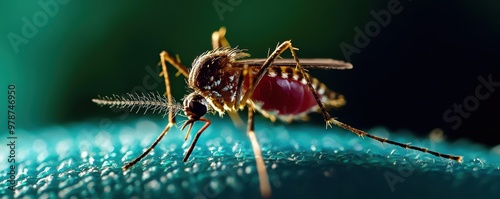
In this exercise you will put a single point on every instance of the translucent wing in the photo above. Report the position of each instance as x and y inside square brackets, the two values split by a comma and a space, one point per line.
[324, 64]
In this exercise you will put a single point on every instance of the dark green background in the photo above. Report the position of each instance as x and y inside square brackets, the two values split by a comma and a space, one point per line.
[424, 61]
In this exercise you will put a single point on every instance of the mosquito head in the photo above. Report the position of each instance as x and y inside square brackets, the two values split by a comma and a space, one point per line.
[195, 106]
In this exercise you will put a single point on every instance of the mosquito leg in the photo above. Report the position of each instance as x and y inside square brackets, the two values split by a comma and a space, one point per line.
[263, 70]
[219, 39]
[164, 56]
[165, 131]
[322, 107]
[188, 153]
[237, 121]
[385, 140]
[235, 117]
[265, 187]
[333, 99]
[329, 120]
[174, 61]
[238, 102]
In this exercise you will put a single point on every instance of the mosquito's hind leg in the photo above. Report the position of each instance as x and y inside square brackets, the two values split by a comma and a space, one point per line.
[330, 99]
[329, 120]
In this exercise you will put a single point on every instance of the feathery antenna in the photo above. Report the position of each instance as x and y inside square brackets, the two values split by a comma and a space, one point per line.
[148, 102]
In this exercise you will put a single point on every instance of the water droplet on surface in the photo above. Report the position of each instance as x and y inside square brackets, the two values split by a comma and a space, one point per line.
[84, 154]
[313, 148]
[145, 175]
[248, 169]
[62, 147]
[154, 185]
[215, 185]
[185, 184]
[39, 145]
[171, 188]
[170, 175]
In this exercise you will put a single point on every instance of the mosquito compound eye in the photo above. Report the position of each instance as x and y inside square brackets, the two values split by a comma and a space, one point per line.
[197, 108]
[195, 105]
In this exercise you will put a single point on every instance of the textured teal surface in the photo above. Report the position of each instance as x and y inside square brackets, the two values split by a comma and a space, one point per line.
[84, 161]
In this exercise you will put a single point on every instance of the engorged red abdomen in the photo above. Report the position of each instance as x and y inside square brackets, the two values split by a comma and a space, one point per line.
[286, 96]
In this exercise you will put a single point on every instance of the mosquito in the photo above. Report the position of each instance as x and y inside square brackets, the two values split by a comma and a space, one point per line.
[224, 80]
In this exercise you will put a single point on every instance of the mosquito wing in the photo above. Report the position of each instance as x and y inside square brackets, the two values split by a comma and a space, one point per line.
[324, 64]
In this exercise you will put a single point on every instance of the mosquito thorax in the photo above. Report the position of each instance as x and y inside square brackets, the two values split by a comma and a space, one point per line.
[195, 106]
[210, 67]
[214, 76]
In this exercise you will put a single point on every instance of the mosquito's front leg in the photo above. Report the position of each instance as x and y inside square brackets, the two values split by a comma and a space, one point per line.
[188, 153]
[174, 61]
[163, 133]
[171, 119]
[164, 57]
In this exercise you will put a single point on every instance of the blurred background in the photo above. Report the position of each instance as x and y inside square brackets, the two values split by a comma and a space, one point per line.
[410, 73]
